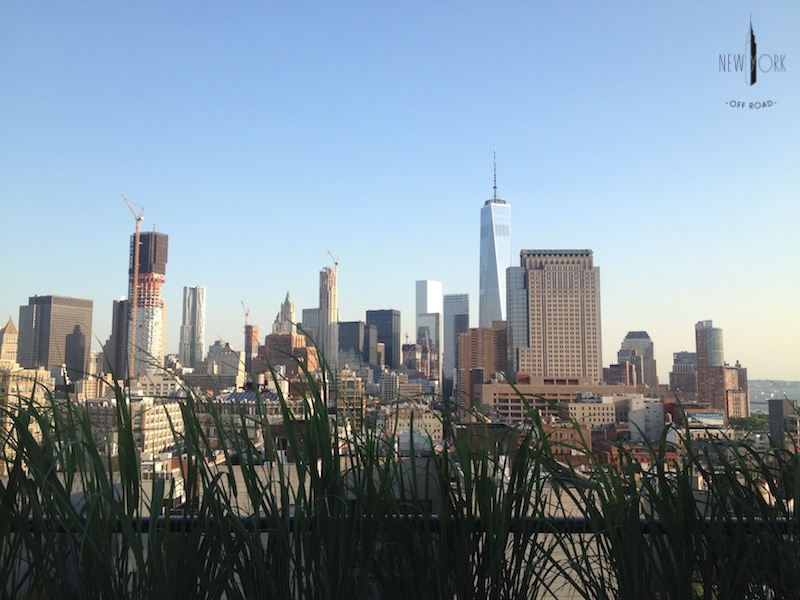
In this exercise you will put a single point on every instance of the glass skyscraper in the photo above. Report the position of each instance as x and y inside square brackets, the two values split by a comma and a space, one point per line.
[192, 339]
[495, 259]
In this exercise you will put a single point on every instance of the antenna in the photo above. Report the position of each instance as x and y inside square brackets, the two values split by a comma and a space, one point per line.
[494, 150]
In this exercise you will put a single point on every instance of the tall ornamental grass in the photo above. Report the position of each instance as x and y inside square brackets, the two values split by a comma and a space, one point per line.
[353, 519]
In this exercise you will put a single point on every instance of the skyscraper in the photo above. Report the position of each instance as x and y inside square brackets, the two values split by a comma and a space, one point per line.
[328, 340]
[387, 322]
[456, 320]
[638, 346]
[495, 258]
[147, 342]
[710, 350]
[430, 314]
[516, 314]
[285, 320]
[683, 377]
[563, 293]
[55, 331]
[192, 340]
[9, 342]
[722, 386]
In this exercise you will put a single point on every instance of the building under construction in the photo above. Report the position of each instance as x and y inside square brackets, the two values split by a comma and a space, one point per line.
[148, 308]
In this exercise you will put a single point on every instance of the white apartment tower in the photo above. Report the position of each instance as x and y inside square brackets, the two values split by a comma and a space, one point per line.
[192, 341]
[495, 258]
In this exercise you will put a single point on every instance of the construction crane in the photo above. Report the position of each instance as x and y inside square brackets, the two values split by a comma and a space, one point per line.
[246, 313]
[134, 301]
[335, 260]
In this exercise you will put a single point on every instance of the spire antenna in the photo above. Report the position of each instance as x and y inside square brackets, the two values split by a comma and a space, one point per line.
[494, 150]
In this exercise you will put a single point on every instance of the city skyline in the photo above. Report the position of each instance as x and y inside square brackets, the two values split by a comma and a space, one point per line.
[264, 127]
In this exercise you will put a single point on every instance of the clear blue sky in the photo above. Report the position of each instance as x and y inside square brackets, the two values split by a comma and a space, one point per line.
[261, 135]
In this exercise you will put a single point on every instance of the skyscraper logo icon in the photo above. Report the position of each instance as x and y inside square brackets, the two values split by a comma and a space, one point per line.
[750, 62]
[751, 68]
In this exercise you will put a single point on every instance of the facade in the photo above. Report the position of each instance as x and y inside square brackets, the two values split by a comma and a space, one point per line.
[357, 343]
[250, 346]
[18, 388]
[456, 321]
[115, 350]
[637, 348]
[482, 352]
[387, 324]
[495, 258]
[350, 398]
[683, 377]
[9, 342]
[516, 314]
[192, 340]
[147, 342]
[328, 341]
[310, 325]
[646, 420]
[289, 351]
[430, 317]
[550, 398]
[563, 300]
[55, 331]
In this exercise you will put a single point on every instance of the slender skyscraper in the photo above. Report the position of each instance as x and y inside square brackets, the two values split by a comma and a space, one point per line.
[328, 340]
[430, 309]
[751, 56]
[147, 342]
[456, 320]
[192, 340]
[495, 258]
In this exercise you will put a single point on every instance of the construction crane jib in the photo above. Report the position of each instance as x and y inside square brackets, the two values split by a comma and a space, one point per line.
[134, 300]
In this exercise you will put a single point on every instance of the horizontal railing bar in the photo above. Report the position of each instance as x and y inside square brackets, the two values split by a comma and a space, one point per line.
[428, 523]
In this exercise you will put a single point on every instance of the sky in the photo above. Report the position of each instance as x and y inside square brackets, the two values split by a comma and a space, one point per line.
[262, 136]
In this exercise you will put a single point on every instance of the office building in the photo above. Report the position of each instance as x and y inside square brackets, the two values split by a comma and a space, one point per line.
[683, 377]
[430, 315]
[358, 343]
[309, 326]
[148, 310]
[456, 321]
[387, 324]
[563, 300]
[495, 258]
[482, 354]
[56, 331]
[192, 340]
[328, 341]
[637, 349]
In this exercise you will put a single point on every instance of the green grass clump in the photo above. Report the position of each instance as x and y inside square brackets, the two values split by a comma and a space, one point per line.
[486, 518]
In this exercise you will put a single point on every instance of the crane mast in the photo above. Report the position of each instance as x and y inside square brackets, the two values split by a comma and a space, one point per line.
[134, 301]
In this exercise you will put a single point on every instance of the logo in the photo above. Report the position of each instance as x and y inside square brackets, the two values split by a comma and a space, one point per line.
[751, 66]
[750, 63]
